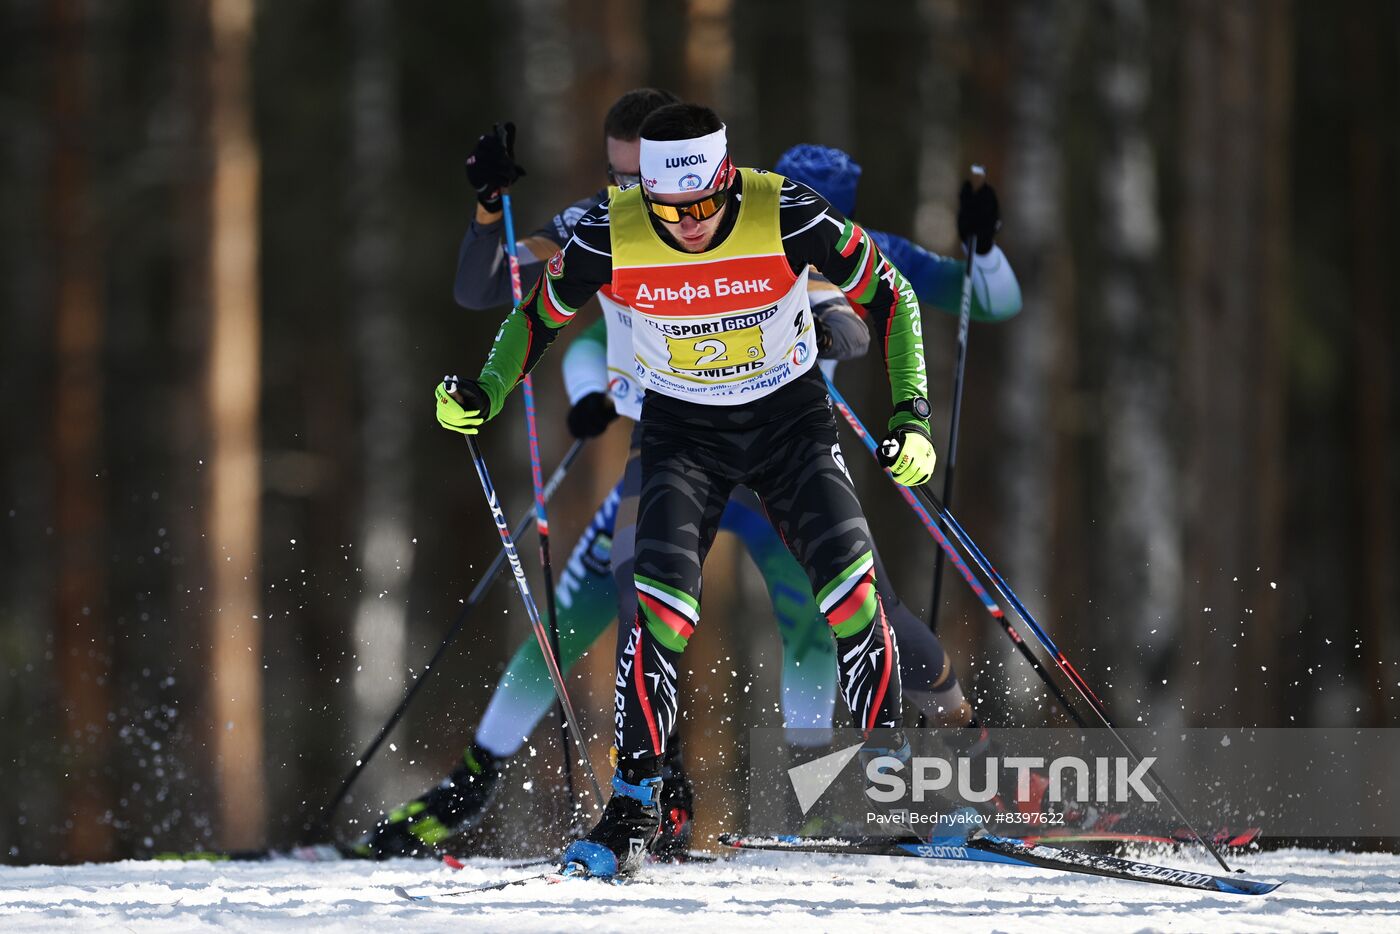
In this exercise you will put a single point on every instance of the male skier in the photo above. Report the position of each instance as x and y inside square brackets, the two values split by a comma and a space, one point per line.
[713, 262]
[586, 597]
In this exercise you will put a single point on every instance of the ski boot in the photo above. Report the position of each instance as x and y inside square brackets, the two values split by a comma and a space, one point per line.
[619, 843]
[672, 843]
[894, 818]
[420, 827]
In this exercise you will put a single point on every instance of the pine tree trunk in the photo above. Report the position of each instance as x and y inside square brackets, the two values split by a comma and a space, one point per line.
[81, 637]
[385, 554]
[1232, 251]
[709, 52]
[1032, 382]
[1372, 196]
[1141, 540]
[26, 470]
[233, 395]
[1268, 592]
[189, 430]
[935, 217]
[829, 96]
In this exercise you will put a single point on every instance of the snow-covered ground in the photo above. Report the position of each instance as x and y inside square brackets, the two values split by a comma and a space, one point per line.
[1325, 892]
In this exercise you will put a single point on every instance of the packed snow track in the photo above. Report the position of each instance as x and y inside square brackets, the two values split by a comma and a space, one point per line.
[1324, 892]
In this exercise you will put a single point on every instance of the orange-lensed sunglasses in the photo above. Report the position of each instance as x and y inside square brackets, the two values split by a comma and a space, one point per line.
[700, 209]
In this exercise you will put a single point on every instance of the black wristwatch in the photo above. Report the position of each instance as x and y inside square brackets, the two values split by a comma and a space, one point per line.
[918, 406]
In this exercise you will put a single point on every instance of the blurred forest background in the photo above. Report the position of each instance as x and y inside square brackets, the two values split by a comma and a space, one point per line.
[232, 530]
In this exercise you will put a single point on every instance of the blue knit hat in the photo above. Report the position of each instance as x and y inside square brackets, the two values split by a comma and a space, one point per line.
[829, 172]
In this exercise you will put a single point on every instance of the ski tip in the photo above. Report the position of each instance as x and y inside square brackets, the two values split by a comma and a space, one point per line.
[452, 862]
[401, 892]
[1247, 886]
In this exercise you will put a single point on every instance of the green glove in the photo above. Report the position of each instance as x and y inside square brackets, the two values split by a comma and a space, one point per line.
[461, 405]
[907, 452]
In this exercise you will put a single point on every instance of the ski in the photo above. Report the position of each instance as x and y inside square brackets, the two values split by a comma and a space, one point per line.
[693, 856]
[553, 876]
[328, 853]
[1224, 839]
[1056, 857]
[982, 847]
[574, 871]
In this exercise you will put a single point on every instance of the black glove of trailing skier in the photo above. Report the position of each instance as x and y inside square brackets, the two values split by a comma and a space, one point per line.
[492, 166]
[979, 214]
[590, 416]
[822, 332]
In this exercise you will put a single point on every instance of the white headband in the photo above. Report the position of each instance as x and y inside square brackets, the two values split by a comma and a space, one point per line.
[675, 166]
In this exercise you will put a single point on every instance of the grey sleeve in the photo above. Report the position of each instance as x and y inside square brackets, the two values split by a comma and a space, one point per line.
[850, 337]
[483, 274]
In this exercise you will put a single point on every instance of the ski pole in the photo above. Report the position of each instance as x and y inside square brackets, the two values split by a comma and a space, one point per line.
[541, 518]
[522, 586]
[318, 828]
[1061, 662]
[1068, 670]
[979, 176]
[945, 547]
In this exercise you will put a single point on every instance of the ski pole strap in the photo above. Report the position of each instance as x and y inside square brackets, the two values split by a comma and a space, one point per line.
[648, 791]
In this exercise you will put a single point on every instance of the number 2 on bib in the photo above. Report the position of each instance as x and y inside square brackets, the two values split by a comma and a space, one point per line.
[716, 350]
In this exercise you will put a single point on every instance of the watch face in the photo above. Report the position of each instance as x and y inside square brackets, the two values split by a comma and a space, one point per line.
[921, 407]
